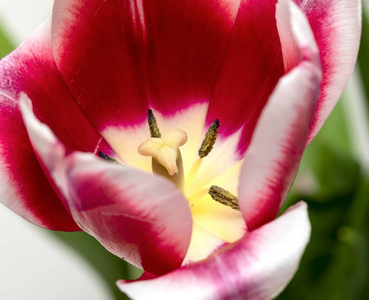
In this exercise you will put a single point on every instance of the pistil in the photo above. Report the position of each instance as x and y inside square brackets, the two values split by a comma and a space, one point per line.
[166, 157]
[165, 150]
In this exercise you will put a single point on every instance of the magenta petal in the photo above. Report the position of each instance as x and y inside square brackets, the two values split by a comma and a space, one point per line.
[139, 217]
[25, 188]
[123, 56]
[142, 218]
[297, 39]
[258, 267]
[280, 137]
[251, 68]
[337, 29]
[31, 69]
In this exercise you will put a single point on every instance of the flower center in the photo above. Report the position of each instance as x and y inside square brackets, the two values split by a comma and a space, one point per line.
[167, 159]
[210, 187]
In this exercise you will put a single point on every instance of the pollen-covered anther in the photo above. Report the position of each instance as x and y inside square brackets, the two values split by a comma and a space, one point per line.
[166, 149]
[209, 139]
[154, 128]
[222, 196]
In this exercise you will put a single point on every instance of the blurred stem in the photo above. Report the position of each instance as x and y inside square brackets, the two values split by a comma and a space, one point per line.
[346, 276]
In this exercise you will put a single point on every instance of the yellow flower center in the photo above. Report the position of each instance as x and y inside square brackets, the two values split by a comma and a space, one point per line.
[216, 217]
[165, 153]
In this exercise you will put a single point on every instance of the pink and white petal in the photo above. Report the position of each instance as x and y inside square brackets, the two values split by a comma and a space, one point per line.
[46, 147]
[258, 267]
[31, 69]
[250, 70]
[24, 188]
[140, 53]
[142, 218]
[337, 29]
[297, 39]
[280, 137]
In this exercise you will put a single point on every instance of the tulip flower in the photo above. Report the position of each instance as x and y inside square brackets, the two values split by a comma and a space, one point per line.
[171, 131]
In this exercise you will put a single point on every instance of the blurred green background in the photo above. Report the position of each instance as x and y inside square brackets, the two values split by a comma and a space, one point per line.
[333, 179]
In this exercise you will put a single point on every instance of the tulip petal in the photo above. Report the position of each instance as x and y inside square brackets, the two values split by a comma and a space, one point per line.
[258, 267]
[139, 217]
[251, 67]
[203, 243]
[253, 63]
[31, 69]
[280, 137]
[337, 29]
[161, 54]
[250, 70]
[296, 36]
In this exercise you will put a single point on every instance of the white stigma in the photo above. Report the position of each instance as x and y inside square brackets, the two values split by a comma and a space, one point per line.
[165, 149]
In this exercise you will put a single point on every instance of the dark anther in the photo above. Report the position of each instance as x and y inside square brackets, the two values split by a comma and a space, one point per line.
[209, 139]
[154, 129]
[106, 156]
[224, 197]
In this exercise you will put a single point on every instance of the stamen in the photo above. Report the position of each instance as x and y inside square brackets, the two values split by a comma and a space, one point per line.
[154, 129]
[106, 157]
[224, 197]
[209, 139]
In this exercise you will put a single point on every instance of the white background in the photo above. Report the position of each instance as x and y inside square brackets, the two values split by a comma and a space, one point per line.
[34, 265]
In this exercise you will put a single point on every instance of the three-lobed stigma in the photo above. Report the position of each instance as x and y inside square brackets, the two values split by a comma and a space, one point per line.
[165, 149]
